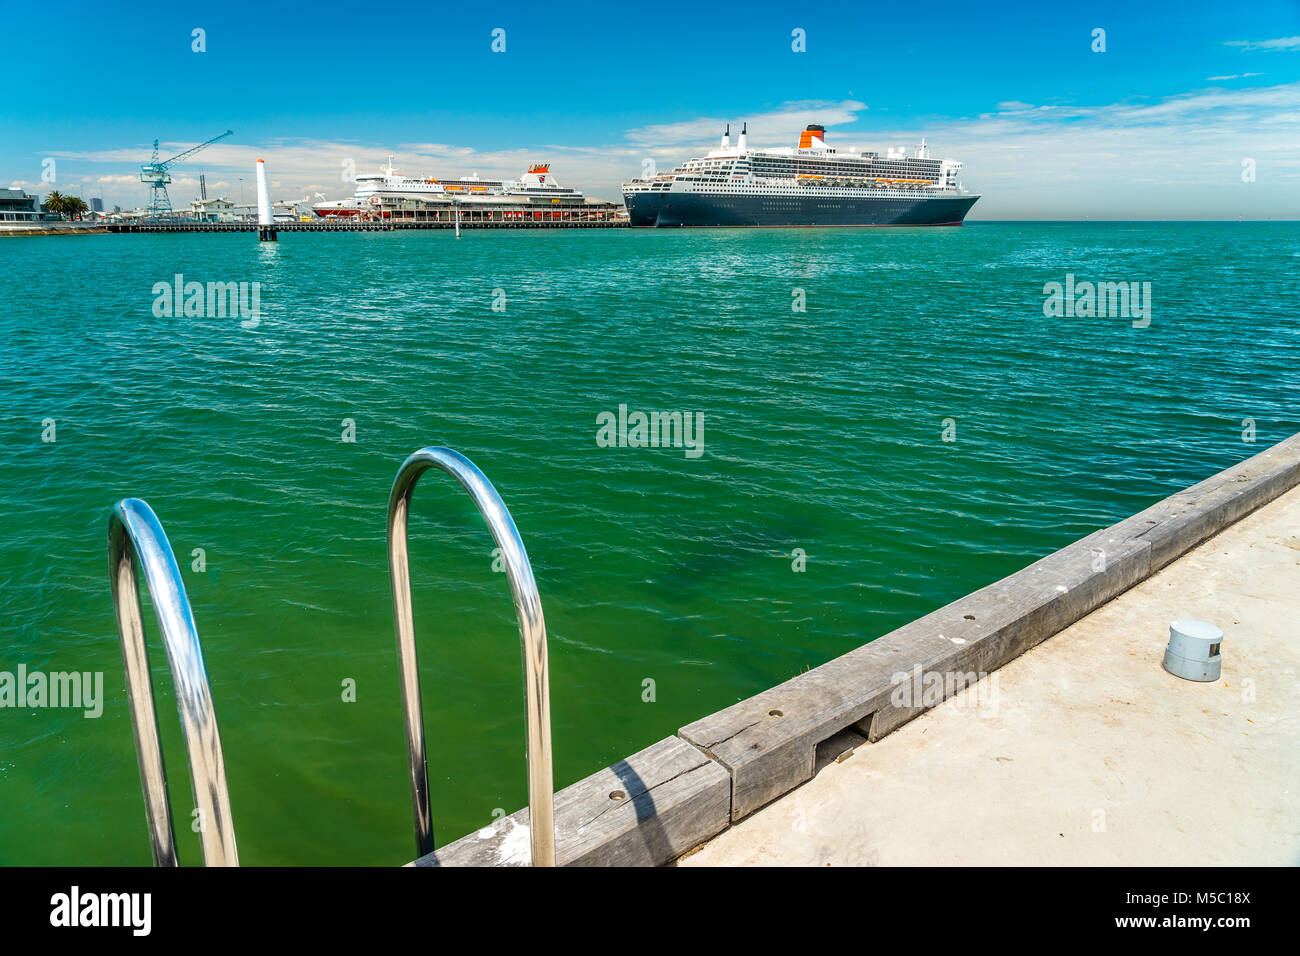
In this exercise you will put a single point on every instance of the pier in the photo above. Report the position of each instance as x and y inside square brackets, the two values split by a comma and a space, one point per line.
[392, 215]
[1087, 752]
[1092, 754]
[377, 226]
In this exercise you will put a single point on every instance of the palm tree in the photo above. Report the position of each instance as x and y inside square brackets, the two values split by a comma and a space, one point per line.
[75, 206]
[55, 202]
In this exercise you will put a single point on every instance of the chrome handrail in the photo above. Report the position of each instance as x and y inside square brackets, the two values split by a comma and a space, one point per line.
[133, 528]
[532, 634]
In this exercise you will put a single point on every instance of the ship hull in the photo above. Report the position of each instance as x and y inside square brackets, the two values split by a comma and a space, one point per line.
[666, 210]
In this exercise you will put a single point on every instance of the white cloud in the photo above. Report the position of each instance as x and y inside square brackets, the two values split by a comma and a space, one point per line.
[1280, 43]
[1178, 157]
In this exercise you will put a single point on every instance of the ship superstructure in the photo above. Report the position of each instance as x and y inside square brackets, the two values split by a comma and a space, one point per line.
[811, 184]
[384, 193]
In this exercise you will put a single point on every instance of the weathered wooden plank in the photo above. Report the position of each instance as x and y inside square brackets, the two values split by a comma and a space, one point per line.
[1183, 520]
[642, 811]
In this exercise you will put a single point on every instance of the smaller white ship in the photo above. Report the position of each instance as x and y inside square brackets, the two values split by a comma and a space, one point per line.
[382, 189]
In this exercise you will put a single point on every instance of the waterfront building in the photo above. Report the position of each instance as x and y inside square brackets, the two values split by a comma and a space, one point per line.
[212, 210]
[16, 205]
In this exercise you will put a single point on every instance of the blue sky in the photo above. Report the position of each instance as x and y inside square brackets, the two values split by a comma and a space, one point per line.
[1157, 126]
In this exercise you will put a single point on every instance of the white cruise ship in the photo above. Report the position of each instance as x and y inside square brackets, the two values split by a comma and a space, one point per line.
[809, 185]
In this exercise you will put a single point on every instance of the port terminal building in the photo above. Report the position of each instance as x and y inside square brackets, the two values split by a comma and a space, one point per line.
[509, 209]
[17, 205]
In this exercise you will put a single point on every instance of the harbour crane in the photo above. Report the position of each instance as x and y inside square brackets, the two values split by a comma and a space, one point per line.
[156, 174]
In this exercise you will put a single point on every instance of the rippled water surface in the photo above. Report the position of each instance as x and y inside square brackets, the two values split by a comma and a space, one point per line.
[822, 432]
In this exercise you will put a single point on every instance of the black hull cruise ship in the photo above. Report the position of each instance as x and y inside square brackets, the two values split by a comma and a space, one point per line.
[811, 185]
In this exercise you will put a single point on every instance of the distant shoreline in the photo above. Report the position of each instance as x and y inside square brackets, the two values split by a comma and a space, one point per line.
[12, 229]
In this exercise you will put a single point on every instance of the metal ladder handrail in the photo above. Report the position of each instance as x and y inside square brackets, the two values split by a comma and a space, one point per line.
[532, 634]
[132, 528]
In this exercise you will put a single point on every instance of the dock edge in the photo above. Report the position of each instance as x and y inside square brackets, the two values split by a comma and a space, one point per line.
[658, 804]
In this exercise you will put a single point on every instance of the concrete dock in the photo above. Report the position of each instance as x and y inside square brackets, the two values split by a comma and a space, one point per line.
[1030, 721]
[1084, 750]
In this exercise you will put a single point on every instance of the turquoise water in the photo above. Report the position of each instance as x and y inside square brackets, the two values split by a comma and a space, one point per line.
[822, 432]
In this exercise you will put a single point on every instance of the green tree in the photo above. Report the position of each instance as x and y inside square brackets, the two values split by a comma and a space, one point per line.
[75, 206]
[55, 202]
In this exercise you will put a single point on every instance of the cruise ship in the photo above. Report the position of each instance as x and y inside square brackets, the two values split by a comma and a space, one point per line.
[809, 185]
[377, 193]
